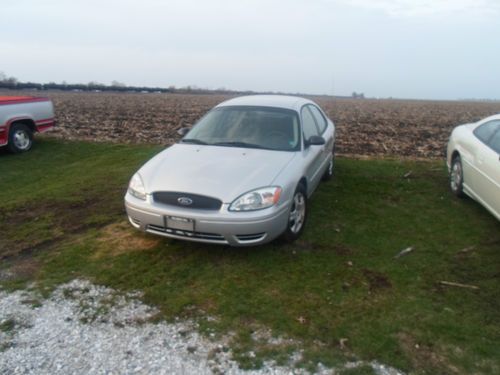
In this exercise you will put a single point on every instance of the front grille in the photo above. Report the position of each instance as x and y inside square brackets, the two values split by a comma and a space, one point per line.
[250, 237]
[188, 234]
[195, 201]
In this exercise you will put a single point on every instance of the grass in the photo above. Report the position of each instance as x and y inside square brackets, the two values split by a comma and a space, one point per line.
[62, 217]
[7, 325]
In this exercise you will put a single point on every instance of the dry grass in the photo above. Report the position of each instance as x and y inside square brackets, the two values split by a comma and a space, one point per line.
[120, 238]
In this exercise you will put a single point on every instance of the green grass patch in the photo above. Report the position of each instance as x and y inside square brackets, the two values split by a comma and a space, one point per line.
[7, 325]
[340, 283]
[59, 188]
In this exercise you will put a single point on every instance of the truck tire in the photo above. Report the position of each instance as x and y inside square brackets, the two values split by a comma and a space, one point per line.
[20, 138]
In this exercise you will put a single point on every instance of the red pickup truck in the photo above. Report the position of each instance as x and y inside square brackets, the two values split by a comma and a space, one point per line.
[21, 117]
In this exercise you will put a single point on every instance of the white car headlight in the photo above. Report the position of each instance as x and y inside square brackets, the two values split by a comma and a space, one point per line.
[136, 187]
[257, 199]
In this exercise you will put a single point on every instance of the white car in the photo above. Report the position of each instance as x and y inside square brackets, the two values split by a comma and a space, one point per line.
[241, 176]
[473, 159]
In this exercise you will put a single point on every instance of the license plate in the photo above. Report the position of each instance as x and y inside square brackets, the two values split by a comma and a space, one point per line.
[180, 223]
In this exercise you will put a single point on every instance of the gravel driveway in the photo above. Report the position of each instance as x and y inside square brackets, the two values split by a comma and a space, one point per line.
[87, 329]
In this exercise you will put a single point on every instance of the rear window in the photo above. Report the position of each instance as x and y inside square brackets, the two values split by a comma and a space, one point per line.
[495, 142]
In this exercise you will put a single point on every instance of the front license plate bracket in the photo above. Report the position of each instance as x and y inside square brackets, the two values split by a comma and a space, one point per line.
[179, 223]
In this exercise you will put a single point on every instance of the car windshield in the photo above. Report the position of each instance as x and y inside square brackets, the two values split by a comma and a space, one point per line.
[252, 127]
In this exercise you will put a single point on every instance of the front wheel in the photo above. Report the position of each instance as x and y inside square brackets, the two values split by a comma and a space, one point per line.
[20, 138]
[457, 177]
[297, 215]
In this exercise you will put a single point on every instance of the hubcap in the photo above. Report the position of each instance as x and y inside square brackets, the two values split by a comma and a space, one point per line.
[456, 176]
[21, 139]
[297, 213]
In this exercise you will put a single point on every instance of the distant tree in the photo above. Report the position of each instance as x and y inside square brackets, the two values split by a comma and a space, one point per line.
[7, 82]
[355, 95]
[117, 84]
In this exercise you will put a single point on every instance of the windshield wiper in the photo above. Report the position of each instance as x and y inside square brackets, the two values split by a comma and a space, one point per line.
[194, 141]
[240, 144]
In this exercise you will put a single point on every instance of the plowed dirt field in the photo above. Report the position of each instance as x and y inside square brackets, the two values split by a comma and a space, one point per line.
[408, 128]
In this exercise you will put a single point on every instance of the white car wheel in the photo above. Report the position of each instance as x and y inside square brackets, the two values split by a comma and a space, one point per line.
[297, 216]
[457, 176]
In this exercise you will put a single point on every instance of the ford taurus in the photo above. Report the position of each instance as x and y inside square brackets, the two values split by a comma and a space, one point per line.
[242, 175]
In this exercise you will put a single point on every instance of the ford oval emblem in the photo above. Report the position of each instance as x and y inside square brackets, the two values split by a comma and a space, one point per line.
[185, 201]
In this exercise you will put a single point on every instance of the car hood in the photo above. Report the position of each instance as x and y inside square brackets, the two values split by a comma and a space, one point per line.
[216, 171]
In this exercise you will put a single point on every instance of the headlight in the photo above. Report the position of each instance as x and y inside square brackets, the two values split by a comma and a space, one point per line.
[257, 199]
[136, 187]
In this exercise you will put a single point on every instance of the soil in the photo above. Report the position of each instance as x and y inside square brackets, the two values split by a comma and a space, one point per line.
[376, 280]
[61, 219]
[366, 127]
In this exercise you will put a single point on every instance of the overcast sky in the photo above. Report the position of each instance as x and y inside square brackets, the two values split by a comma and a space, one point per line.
[435, 49]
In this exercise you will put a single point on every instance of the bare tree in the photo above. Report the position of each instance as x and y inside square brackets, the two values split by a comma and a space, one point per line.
[117, 84]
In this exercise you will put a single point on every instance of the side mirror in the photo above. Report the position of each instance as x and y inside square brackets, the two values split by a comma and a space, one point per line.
[315, 140]
[183, 131]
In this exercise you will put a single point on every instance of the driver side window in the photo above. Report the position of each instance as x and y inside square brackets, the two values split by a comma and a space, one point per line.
[308, 124]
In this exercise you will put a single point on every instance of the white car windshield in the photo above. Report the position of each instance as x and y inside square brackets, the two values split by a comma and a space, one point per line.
[253, 127]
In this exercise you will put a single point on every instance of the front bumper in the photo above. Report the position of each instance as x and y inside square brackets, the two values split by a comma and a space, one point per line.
[216, 227]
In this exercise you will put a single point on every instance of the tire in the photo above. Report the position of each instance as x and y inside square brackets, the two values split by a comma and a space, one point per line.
[327, 176]
[457, 177]
[297, 216]
[20, 138]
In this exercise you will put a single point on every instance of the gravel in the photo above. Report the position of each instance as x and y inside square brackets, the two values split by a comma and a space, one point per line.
[87, 329]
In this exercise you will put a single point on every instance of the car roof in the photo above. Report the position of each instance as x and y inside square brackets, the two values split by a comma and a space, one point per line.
[276, 101]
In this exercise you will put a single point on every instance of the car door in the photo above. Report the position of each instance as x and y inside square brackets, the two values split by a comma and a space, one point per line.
[490, 166]
[313, 155]
[486, 184]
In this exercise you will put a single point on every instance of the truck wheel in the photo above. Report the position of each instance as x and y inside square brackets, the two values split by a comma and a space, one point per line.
[20, 138]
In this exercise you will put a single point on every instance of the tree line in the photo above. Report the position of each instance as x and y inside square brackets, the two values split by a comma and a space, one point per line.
[14, 84]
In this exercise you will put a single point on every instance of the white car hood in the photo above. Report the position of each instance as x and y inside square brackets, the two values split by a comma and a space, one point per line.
[215, 171]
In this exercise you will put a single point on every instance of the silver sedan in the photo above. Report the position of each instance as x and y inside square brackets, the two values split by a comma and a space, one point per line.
[473, 160]
[241, 176]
